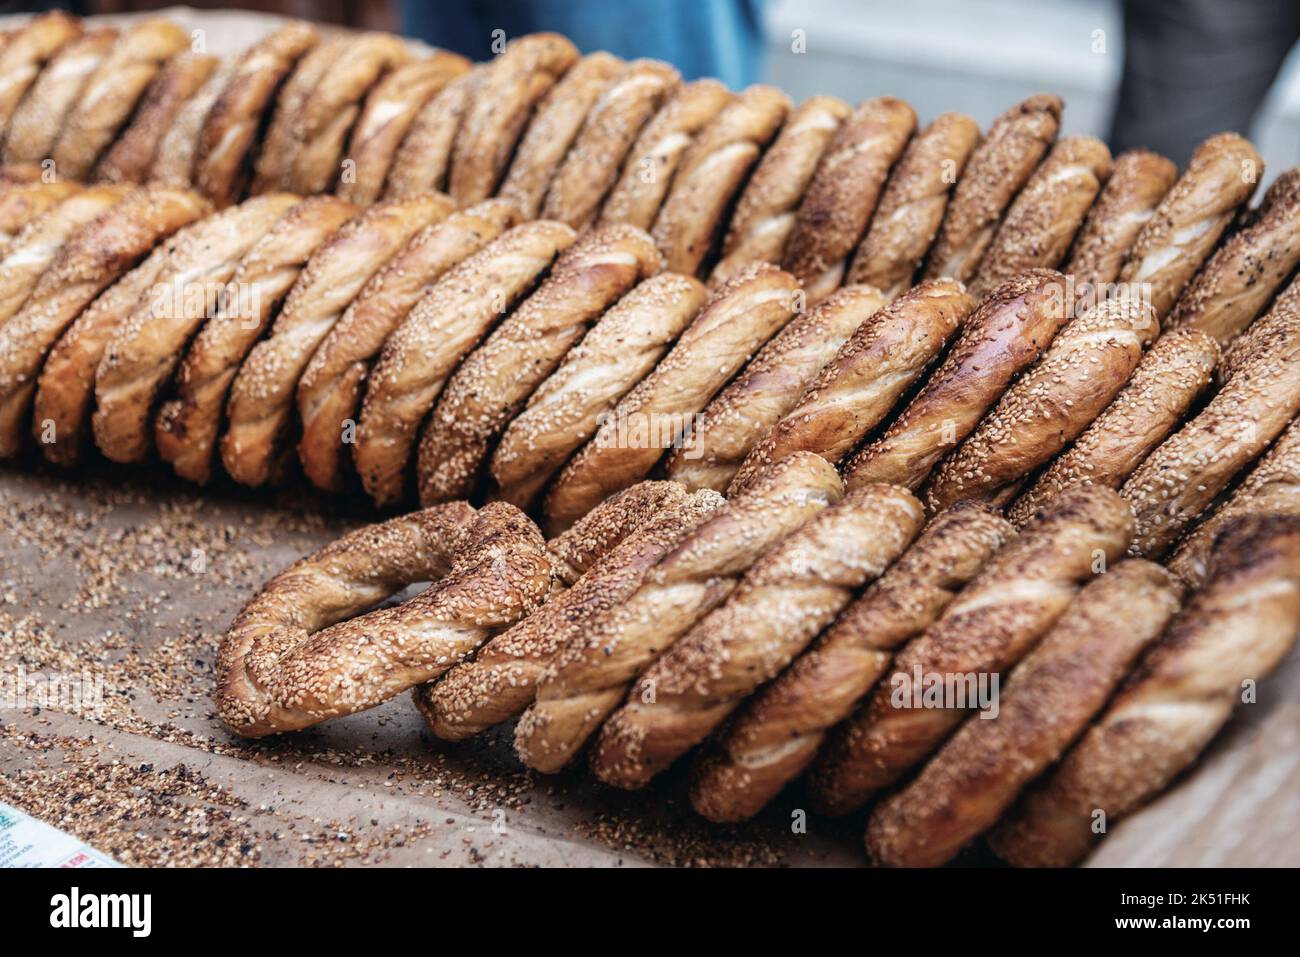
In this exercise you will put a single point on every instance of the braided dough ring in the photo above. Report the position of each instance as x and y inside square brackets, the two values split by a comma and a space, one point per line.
[22, 203]
[592, 164]
[24, 57]
[765, 213]
[131, 156]
[423, 159]
[552, 131]
[389, 110]
[333, 106]
[496, 379]
[295, 656]
[112, 91]
[442, 327]
[329, 392]
[620, 350]
[38, 120]
[146, 348]
[652, 162]
[513, 84]
[178, 149]
[279, 147]
[261, 406]
[231, 123]
[92, 258]
[186, 427]
[501, 680]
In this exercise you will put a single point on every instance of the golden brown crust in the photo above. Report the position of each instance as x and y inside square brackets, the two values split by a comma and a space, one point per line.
[34, 248]
[1007, 333]
[1190, 219]
[1050, 698]
[1272, 487]
[294, 657]
[1278, 322]
[259, 412]
[998, 168]
[92, 258]
[275, 156]
[1231, 289]
[34, 127]
[783, 600]
[22, 203]
[989, 627]
[329, 112]
[856, 390]
[738, 319]
[765, 214]
[224, 144]
[25, 55]
[111, 93]
[1235, 629]
[553, 129]
[389, 110]
[440, 329]
[186, 426]
[768, 388]
[424, 157]
[131, 155]
[1042, 220]
[912, 207]
[778, 731]
[496, 379]
[590, 675]
[1165, 383]
[592, 165]
[712, 172]
[146, 347]
[1057, 398]
[502, 105]
[65, 393]
[1138, 182]
[174, 160]
[655, 156]
[564, 412]
[502, 679]
[329, 392]
[1184, 474]
[844, 192]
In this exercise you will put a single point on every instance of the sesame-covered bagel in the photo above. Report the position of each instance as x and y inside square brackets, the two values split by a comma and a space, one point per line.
[295, 656]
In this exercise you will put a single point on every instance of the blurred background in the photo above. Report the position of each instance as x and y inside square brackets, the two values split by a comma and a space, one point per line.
[1158, 73]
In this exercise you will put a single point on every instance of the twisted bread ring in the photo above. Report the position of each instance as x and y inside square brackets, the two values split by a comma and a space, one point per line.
[130, 158]
[390, 109]
[231, 123]
[1238, 627]
[186, 426]
[437, 333]
[496, 379]
[329, 392]
[423, 159]
[178, 149]
[501, 680]
[779, 731]
[765, 212]
[22, 203]
[24, 57]
[590, 675]
[620, 350]
[553, 129]
[37, 121]
[93, 258]
[146, 348]
[781, 603]
[653, 160]
[275, 158]
[768, 388]
[294, 656]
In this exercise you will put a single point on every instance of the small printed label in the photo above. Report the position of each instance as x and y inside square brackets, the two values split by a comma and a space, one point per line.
[27, 842]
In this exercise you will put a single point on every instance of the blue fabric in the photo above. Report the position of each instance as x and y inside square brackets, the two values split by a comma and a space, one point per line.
[719, 38]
